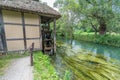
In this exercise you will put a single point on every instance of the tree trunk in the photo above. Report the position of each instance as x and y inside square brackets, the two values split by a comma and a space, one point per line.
[102, 28]
[95, 29]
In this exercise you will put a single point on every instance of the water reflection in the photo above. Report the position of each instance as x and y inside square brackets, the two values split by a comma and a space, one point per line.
[107, 51]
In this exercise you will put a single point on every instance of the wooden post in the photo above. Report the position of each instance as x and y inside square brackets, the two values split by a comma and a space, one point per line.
[3, 36]
[31, 54]
[24, 30]
[54, 35]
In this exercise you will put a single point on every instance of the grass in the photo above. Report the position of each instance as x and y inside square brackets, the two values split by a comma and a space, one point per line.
[43, 69]
[6, 59]
[108, 39]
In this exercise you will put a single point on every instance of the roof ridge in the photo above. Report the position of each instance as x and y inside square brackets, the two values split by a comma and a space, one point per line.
[29, 5]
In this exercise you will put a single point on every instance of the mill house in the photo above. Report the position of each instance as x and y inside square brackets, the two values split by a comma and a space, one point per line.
[23, 22]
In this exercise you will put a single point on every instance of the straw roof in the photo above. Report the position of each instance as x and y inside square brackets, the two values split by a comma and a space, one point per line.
[29, 6]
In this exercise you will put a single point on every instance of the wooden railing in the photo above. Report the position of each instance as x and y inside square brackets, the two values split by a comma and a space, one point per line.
[31, 48]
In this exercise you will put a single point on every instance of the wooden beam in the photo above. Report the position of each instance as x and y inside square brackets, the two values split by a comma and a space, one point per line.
[40, 31]
[34, 25]
[24, 31]
[32, 12]
[3, 32]
[15, 39]
[54, 35]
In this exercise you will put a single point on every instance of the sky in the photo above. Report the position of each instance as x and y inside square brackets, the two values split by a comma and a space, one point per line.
[50, 3]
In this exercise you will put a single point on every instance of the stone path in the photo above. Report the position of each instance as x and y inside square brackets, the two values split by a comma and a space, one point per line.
[20, 69]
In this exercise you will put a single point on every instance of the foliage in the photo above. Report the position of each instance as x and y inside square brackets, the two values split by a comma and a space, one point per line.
[85, 66]
[43, 69]
[108, 39]
[67, 75]
[81, 14]
[67, 23]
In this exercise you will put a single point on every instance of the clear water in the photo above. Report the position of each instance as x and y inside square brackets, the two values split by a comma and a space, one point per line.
[107, 51]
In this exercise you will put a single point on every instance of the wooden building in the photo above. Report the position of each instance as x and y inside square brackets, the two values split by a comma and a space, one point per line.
[21, 24]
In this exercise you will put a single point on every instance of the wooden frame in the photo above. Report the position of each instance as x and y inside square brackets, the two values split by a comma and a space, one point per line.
[24, 31]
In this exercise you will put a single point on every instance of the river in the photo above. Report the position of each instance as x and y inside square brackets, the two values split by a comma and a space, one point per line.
[108, 52]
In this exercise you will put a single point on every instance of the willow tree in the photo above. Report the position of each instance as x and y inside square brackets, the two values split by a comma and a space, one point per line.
[100, 14]
[103, 11]
[68, 20]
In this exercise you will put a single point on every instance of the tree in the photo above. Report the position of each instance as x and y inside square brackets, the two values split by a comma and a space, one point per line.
[102, 15]
[68, 20]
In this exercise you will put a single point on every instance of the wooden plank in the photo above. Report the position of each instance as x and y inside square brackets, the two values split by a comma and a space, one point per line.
[48, 48]
[48, 40]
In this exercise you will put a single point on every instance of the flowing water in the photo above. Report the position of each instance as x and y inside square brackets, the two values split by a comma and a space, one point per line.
[107, 51]
[87, 61]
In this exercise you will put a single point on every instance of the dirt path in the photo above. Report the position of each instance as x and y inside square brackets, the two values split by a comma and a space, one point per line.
[20, 69]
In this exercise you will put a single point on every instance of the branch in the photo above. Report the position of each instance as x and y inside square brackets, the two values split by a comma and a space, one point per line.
[93, 26]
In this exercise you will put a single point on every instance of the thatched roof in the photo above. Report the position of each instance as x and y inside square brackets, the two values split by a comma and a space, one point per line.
[29, 6]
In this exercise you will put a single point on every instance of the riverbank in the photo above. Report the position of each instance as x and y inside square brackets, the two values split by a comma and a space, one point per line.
[108, 39]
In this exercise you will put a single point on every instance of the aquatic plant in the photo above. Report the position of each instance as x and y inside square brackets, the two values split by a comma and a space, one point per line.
[86, 66]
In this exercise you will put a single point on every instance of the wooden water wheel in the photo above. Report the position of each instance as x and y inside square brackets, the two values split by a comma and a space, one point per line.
[47, 41]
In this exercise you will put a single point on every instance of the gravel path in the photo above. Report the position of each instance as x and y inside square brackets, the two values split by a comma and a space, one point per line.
[20, 69]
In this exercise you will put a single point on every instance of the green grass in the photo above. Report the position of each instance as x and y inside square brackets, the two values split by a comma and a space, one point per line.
[6, 59]
[108, 39]
[43, 69]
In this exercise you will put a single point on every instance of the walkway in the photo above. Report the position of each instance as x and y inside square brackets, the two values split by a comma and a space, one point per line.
[20, 69]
